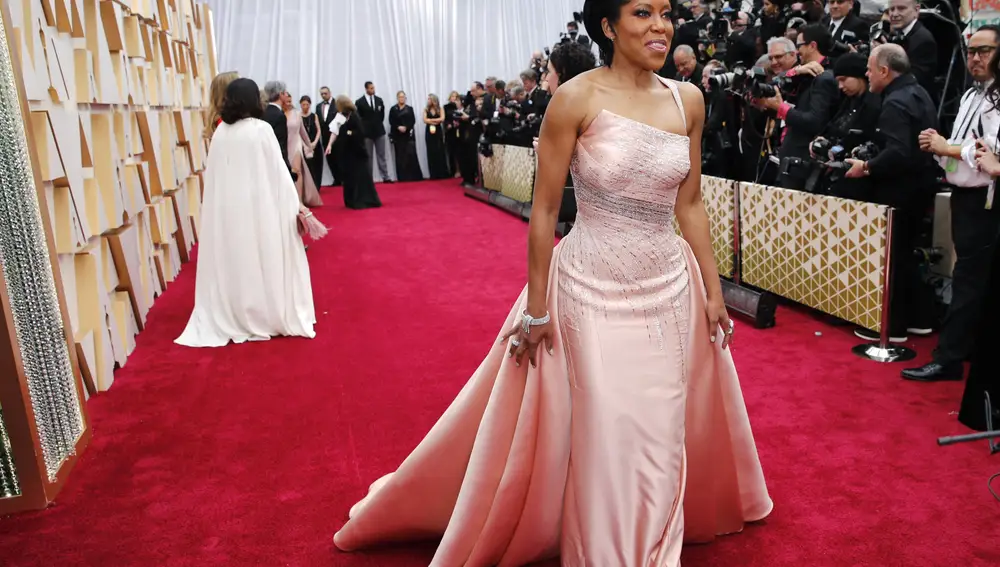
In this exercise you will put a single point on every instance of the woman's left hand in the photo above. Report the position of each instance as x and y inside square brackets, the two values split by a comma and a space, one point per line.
[719, 317]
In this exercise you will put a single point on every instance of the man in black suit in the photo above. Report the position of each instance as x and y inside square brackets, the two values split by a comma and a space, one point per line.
[918, 43]
[817, 103]
[536, 99]
[274, 114]
[688, 68]
[371, 110]
[846, 26]
[327, 111]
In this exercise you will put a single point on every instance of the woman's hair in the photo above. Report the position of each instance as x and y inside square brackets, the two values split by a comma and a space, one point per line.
[217, 95]
[453, 95]
[434, 101]
[305, 98]
[345, 104]
[242, 101]
[594, 12]
[571, 59]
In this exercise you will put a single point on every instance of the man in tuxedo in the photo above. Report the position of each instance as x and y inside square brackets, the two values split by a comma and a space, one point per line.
[688, 68]
[536, 99]
[845, 25]
[327, 111]
[918, 43]
[274, 114]
[371, 111]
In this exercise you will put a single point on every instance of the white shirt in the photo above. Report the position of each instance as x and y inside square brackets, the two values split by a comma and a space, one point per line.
[909, 28]
[326, 108]
[835, 25]
[975, 119]
[371, 101]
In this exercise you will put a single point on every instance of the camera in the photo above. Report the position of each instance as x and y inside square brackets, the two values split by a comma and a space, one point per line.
[745, 83]
[485, 147]
[850, 42]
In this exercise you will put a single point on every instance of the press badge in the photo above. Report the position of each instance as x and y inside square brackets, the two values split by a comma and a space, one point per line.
[951, 165]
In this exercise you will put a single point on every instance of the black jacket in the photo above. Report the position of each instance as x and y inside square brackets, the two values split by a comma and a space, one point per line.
[816, 106]
[860, 29]
[331, 113]
[901, 170]
[536, 103]
[373, 119]
[279, 123]
[401, 117]
[922, 50]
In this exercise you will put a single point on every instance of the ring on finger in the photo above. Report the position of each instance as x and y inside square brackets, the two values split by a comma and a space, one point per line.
[515, 342]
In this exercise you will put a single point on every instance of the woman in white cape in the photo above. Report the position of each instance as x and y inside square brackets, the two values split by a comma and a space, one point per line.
[253, 277]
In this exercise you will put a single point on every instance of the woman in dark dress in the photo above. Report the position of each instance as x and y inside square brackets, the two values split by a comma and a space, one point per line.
[349, 147]
[453, 133]
[401, 123]
[314, 158]
[437, 155]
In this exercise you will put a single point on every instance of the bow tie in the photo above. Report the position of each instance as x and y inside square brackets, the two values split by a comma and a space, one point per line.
[980, 87]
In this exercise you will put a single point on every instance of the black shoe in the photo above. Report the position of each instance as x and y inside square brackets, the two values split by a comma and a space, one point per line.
[934, 372]
[874, 337]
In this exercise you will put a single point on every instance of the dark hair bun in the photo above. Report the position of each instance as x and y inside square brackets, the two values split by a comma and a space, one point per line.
[594, 12]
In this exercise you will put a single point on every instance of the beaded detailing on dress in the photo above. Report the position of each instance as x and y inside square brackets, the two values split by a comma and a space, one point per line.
[623, 257]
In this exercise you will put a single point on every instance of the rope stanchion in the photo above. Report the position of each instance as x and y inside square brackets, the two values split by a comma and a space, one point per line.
[884, 351]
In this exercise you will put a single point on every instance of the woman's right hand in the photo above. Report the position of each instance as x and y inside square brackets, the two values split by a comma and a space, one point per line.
[521, 343]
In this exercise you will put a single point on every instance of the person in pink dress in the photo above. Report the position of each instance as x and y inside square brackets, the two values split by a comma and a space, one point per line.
[606, 425]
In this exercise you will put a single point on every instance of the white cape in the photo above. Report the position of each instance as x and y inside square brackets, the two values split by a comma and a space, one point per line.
[253, 277]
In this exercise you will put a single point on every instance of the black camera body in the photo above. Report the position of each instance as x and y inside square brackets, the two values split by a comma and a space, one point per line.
[746, 83]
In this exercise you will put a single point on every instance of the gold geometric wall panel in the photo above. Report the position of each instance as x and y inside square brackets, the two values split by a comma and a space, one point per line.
[824, 252]
[492, 168]
[518, 173]
[117, 90]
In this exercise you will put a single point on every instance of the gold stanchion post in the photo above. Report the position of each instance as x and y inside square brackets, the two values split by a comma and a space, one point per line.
[884, 351]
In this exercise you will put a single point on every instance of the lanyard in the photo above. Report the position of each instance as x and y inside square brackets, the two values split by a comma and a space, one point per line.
[968, 118]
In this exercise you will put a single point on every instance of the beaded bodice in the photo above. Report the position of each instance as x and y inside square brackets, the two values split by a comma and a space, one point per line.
[623, 255]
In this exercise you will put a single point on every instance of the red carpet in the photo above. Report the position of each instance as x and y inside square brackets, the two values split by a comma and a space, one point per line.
[252, 454]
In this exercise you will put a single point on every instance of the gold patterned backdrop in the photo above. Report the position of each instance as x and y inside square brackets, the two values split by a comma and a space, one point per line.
[492, 168]
[718, 195]
[824, 252]
[518, 177]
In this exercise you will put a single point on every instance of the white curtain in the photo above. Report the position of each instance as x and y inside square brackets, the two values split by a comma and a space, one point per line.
[418, 46]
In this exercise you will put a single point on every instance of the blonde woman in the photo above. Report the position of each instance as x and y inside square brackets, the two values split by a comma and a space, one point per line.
[216, 95]
[437, 156]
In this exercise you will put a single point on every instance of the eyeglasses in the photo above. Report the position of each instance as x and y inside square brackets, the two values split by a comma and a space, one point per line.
[984, 51]
[777, 57]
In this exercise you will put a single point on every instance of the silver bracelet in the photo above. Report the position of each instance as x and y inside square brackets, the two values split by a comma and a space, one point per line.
[527, 321]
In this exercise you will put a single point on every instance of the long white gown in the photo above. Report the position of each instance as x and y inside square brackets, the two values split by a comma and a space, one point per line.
[253, 278]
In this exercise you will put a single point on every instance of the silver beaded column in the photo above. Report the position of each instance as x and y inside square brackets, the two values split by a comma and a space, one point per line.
[24, 256]
[8, 474]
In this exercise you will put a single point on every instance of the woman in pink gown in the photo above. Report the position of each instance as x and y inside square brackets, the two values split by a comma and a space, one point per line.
[627, 433]
[300, 147]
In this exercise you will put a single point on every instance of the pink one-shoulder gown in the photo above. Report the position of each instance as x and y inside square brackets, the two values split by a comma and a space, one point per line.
[630, 439]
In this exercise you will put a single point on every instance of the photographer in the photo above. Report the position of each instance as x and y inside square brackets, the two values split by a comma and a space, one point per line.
[917, 41]
[815, 105]
[903, 177]
[973, 225]
[848, 29]
[852, 126]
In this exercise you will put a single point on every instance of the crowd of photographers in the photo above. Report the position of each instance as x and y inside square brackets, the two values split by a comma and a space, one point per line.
[857, 101]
